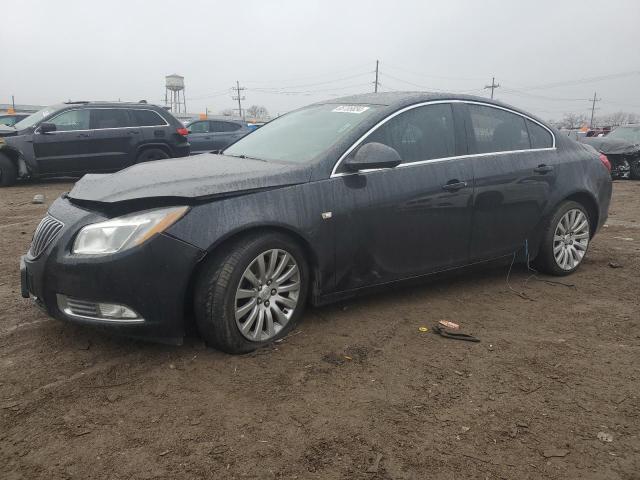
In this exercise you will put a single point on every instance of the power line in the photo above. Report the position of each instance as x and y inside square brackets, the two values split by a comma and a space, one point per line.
[423, 87]
[313, 84]
[307, 77]
[514, 91]
[493, 86]
[429, 88]
[308, 92]
[582, 80]
[441, 77]
[210, 95]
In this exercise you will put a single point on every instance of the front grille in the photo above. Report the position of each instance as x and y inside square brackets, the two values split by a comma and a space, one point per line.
[47, 231]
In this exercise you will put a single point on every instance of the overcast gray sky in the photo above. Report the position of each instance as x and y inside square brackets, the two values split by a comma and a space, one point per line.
[291, 53]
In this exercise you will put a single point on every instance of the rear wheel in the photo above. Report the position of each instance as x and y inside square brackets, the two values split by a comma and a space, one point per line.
[8, 172]
[635, 169]
[251, 293]
[565, 240]
[151, 154]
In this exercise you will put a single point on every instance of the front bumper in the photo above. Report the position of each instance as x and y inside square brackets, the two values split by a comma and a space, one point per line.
[151, 279]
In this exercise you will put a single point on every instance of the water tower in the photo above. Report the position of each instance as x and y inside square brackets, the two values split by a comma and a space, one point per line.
[173, 87]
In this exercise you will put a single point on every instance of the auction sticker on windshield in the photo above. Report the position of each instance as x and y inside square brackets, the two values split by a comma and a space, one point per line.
[350, 109]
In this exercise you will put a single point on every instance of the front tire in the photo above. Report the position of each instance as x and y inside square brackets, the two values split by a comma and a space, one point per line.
[8, 172]
[565, 240]
[251, 293]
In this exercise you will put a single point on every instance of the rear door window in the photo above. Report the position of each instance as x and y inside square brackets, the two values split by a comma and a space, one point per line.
[220, 126]
[199, 127]
[147, 118]
[497, 130]
[109, 118]
[422, 133]
[540, 137]
[71, 120]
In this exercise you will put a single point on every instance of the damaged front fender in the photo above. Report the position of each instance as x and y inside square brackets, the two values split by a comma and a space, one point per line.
[623, 155]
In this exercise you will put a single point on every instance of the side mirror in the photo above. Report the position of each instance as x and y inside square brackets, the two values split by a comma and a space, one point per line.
[373, 155]
[46, 127]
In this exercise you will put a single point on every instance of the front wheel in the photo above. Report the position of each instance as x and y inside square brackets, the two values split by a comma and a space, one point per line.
[251, 293]
[565, 240]
[8, 172]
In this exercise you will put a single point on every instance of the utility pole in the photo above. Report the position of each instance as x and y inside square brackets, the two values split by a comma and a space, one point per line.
[593, 108]
[376, 83]
[493, 86]
[13, 103]
[238, 97]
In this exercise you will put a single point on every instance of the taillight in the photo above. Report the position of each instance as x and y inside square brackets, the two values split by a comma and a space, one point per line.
[183, 131]
[605, 161]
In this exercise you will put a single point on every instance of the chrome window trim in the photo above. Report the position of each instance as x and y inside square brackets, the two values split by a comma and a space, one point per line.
[420, 162]
[112, 128]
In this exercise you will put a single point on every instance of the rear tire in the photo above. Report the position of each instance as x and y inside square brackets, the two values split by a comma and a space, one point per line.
[8, 171]
[635, 169]
[238, 316]
[151, 154]
[565, 240]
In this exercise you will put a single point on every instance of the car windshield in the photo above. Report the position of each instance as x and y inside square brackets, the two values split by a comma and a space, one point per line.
[630, 134]
[31, 120]
[7, 120]
[302, 135]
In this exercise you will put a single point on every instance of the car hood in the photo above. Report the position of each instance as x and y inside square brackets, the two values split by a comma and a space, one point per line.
[7, 131]
[197, 177]
[612, 146]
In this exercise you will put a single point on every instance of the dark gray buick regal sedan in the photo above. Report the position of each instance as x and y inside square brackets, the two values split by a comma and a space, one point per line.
[319, 204]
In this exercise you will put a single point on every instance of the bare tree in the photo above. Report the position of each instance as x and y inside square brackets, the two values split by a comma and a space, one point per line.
[257, 112]
[617, 118]
[573, 120]
[227, 112]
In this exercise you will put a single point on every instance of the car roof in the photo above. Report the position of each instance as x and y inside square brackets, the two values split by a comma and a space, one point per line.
[397, 100]
[224, 118]
[107, 104]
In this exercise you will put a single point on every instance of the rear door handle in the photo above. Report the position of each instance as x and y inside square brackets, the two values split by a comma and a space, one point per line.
[84, 135]
[543, 169]
[454, 185]
[133, 132]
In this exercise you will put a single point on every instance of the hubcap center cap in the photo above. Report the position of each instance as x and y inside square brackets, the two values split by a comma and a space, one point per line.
[265, 293]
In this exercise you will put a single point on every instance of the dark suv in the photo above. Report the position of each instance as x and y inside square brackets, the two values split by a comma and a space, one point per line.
[82, 137]
[215, 133]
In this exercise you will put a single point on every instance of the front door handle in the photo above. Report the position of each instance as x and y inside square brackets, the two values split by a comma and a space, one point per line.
[454, 185]
[542, 168]
[84, 135]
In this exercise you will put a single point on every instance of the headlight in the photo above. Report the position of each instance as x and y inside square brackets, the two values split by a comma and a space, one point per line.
[125, 232]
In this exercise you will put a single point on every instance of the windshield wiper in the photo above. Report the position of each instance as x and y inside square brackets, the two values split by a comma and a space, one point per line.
[245, 156]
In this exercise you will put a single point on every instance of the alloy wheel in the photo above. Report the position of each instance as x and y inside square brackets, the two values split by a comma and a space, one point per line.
[267, 295]
[571, 239]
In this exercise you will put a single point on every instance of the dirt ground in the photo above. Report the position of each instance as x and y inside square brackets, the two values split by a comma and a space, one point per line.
[355, 392]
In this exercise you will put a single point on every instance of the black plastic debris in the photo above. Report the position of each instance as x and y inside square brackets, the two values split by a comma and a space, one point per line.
[443, 332]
